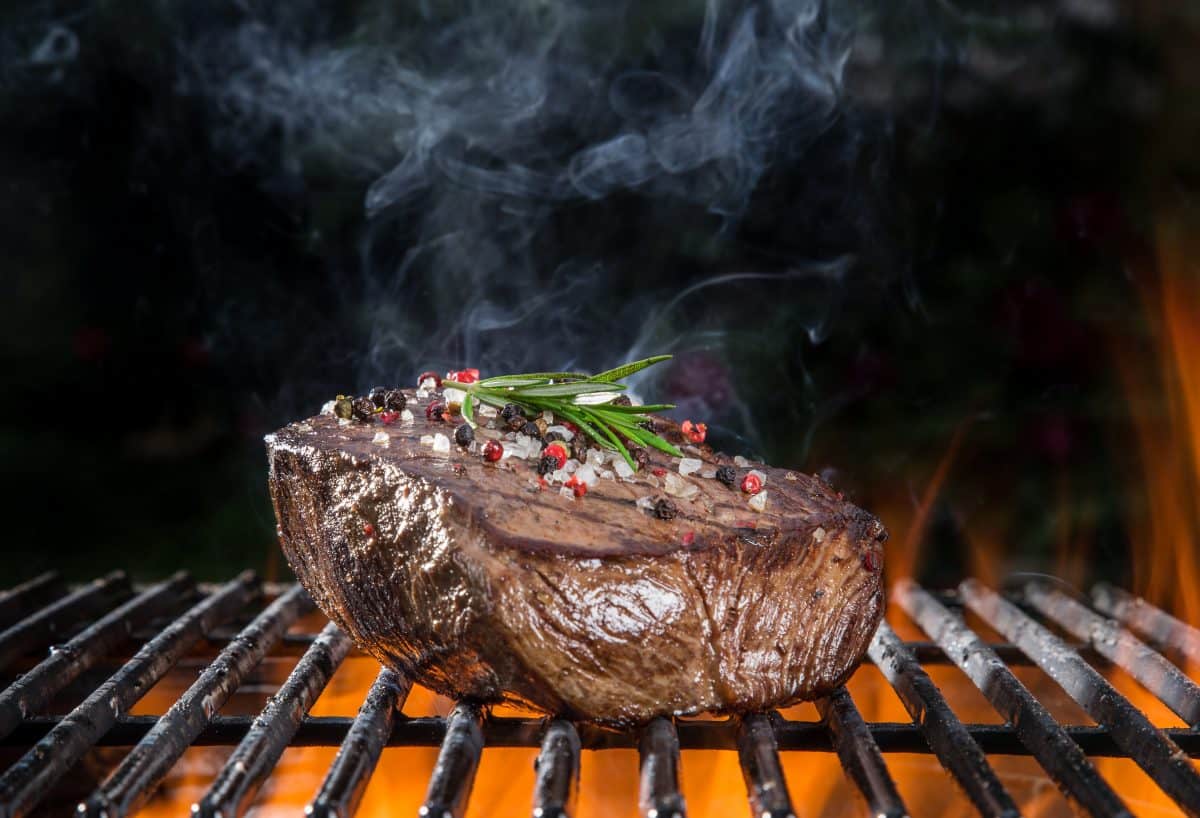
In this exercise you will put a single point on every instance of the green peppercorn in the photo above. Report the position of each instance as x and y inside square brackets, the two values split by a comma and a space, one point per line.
[343, 408]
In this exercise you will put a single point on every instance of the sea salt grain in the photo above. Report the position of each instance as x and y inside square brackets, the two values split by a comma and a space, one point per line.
[676, 486]
[622, 469]
[441, 443]
[426, 440]
[708, 472]
[586, 474]
[759, 501]
[595, 457]
[327, 409]
[645, 503]
[381, 439]
[689, 465]
[741, 462]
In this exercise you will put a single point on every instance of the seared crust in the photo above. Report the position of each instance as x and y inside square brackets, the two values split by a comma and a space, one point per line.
[483, 585]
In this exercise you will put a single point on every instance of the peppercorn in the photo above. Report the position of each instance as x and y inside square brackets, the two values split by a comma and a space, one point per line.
[752, 484]
[395, 400]
[579, 448]
[621, 400]
[434, 410]
[558, 452]
[510, 411]
[377, 395]
[648, 425]
[554, 437]
[343, 408]
[695, 432]
[640, 456]
[547, 464]
[492, 451]
[437, 379]
[665, 509]
[727, 476]
[363, 408]
[464, 435]
[531, 429]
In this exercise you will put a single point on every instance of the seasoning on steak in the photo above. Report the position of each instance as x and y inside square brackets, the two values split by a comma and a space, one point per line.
[482, 581]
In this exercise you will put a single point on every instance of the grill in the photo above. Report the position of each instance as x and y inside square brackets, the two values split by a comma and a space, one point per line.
[236, 625]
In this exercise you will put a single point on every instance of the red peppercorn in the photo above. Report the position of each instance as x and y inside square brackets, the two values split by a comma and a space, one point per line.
[436, 410]
[694, 432]
[556, 451]
[463, 376]
[658, 471]
[369, 529]
[689, 537]
[492, 451]
[751, 484]
[437, 379]
[387, 417]
[580, 489]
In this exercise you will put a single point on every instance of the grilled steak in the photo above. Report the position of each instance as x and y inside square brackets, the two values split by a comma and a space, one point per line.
[656, 593]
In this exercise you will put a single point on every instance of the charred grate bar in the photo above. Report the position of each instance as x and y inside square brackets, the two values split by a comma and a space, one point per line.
[146, 632]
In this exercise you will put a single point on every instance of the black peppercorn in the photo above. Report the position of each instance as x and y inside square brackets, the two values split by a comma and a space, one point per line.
[727, 475]
[343, 408]
[510, 411]
[435, 410]
[579, 448]
[648, 425]
[640, 456]
[464, 434]
[552, 437]
[377, 396]
[665, 509]
[621, 400]
[394, 400]
[531, 429]
[363, 408]
[547, 464]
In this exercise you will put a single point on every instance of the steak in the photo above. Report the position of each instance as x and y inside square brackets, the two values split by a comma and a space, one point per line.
[654, 593]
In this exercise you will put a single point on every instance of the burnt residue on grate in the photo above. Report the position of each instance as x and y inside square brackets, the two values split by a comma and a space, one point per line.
[147, 631]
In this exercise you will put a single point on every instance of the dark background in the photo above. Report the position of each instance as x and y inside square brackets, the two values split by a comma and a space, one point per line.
[940, 247]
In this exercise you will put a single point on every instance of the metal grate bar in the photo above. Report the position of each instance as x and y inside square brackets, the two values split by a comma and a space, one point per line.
[257, 754]
[1121, 647]
[1034, 725]
[1146, 744]
[30, 693]
[331, 731]
[25, 783]
[758, 756]
[557, 764]
[457, 761]
[860, 755]
[44, 625]
[1151, 622]
[143, 769]
[18, 601]
[947, 736]
[346, 781]
[658, 762]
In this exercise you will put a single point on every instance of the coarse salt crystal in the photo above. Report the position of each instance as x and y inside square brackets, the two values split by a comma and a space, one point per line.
[622, 469]
[343, 421]
[406, 416]
[441, 443]
[483, 410]
[652, 480]
[452, 395]
[741, 462]
[708, 472]
[608, 474]
[548, 416]
[426, 440]
[792, 476]
[303, 427]
[586, 473]
[566, 433]
[759, 501]
[690, 465]
[327, 409]
[595, 457]
[645, 503]
[382, 439]
[818, 534]
[566, 492]
[676, 486]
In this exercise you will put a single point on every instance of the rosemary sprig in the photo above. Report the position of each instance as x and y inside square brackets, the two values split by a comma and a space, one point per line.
[584, 400]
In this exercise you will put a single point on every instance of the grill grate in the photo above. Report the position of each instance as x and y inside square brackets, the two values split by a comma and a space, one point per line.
[176, 618]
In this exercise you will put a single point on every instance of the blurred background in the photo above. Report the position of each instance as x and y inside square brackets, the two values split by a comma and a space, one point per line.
[943, 252]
